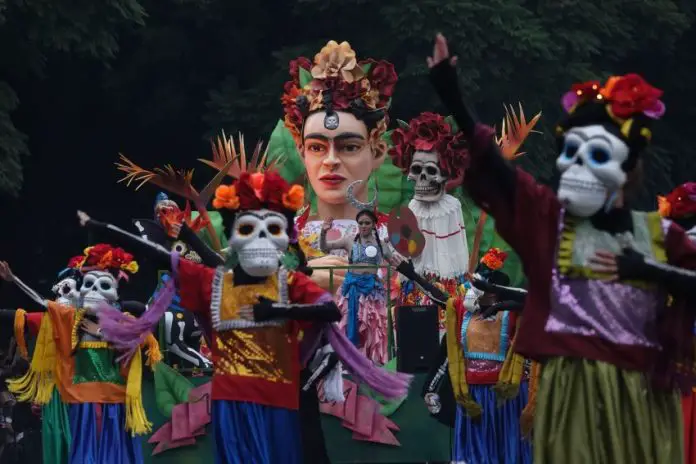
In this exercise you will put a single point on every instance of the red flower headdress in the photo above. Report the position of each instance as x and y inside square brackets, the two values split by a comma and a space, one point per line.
[680, 203]
[337, 81]
[105, 257]
[431, 132]
[259, 191]
[494, 259]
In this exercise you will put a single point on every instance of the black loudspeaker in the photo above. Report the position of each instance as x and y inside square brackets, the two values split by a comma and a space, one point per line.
[417, 338]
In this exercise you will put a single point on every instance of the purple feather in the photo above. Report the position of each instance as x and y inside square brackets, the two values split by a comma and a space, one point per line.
[388, 384]
[126, 333]
[568, 100]
[657, 111]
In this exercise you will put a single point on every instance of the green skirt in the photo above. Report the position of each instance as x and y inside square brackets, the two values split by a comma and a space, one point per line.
[590, 412]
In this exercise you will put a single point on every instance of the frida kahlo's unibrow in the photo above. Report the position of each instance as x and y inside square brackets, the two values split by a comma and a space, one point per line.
[339, 137]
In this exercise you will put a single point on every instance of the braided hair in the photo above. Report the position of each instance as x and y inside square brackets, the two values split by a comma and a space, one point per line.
[373, 216]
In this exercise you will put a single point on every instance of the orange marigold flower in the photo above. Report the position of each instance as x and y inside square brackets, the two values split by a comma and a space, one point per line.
[494, 258]
[257, 179]
[294, 198]
[226, 197]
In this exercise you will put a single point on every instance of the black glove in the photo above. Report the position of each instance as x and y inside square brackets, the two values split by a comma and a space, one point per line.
[435, 294]
[492, 310]
[634, 266]
[266, 309]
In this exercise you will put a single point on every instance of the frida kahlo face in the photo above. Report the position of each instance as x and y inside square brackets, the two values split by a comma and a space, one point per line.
[336, 157]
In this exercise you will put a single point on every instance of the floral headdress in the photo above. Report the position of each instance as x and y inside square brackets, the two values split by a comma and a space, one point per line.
[337, 81]
[105, 257]
[494, 259]
[680, 203]
[259, 191]
[431, 132]
[626, 104]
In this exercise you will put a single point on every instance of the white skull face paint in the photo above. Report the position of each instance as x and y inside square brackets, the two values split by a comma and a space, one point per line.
[66, 292]
[98, 287]
[590, 163]
[425, 172]
[260, 239]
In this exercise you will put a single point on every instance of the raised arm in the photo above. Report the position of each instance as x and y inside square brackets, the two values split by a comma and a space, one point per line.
[486, 156]
[327, 245]
[6, 274]
[154, 251]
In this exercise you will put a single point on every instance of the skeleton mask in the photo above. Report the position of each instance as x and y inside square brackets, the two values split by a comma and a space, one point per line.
[66, 292]
[425, 172]
[98, 287]
[591, 172]
[260, 239]
[186, 252]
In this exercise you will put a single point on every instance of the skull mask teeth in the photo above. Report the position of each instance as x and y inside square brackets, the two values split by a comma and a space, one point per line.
[426, 173]
[98, 287]
[260, 239]
[591, 169]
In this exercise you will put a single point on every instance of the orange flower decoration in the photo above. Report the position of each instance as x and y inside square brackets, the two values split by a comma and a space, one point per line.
[494, 259]
[294, 198]
[226, 197]
[663, 206]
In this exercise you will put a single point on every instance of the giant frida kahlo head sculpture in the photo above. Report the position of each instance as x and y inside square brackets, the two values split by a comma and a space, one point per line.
[601, 140]
[259, 209]
[336, 110]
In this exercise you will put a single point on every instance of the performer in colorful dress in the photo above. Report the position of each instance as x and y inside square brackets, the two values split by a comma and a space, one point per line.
[105, 414]
[492, 433]
[254, 307]
[336, 110]
[680, 206]
[599, 275]
[362, 298]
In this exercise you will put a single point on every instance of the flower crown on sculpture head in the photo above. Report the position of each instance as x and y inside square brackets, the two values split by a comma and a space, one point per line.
[337, 81]
[431, 132]
[104, 257]
[626, 104]
[259, 190]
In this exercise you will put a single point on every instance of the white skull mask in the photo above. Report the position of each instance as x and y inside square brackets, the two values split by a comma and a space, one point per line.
[98, 287]
[260, 239]
[591, 169]
[425, 172]
[66, 292]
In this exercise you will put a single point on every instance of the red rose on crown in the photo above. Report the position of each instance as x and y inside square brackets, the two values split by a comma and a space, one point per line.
[382, 75]
[630, 95]
[295, 66]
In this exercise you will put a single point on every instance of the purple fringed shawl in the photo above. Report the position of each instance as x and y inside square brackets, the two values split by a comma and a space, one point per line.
[126, 333]
[388, 384]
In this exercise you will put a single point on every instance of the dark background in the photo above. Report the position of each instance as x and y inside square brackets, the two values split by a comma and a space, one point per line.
[81, 81]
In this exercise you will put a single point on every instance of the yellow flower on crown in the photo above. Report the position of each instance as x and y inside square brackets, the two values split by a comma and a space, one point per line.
[337, 59]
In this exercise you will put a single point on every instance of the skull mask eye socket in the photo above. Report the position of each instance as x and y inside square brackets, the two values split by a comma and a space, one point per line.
[105, 285]
[275, 229]
[416, 169]
[245, 229]
[89, 281]
[431, 171]
[179, 247]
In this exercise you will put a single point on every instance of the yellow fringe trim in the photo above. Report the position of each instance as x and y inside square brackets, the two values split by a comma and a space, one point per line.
[511, 373]
[527, 416]
[154, 354]
[37, 384]
[457, 365]
[20, 322]
[79, 315]
[93, 344]
[654, 221]
[136, 420]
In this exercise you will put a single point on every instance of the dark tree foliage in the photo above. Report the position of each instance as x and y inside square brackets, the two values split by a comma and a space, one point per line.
[81, 81]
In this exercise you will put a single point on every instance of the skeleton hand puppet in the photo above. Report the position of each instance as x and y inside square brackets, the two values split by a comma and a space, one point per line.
[174, 229]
